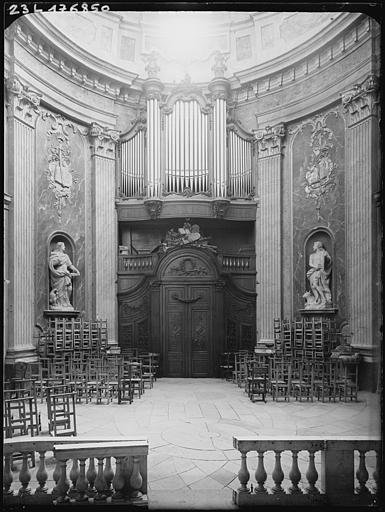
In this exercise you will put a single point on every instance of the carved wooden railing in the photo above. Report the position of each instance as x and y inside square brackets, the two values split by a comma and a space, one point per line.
[137, 263]
[86, 470]
[146, 263]
[343, 471]
[235, 263]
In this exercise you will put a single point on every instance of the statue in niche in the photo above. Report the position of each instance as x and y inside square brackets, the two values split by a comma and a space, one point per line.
[62, 271]
[319, 276]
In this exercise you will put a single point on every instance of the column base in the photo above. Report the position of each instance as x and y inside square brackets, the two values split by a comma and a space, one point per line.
[26, 354]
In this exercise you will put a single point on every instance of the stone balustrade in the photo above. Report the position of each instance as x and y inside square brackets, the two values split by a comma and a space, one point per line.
[85, 470]
[342, 476]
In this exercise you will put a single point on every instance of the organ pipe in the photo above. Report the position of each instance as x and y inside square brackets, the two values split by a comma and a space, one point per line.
[239, 162]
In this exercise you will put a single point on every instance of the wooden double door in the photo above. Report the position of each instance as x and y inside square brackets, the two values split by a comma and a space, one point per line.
[188, 329]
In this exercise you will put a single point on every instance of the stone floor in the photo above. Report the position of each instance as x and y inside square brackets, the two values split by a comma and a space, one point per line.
[190, 423]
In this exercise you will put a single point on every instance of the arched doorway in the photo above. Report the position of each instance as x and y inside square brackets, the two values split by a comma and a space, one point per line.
[188, 313]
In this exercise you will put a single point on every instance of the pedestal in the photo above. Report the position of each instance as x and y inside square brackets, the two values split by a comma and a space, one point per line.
[53, 313]
[319, 312]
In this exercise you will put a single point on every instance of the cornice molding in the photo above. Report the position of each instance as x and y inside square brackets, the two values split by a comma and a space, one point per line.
[106, 79]
[269, 140]
[103, 141]
[23, 102]
[304, 62]
[362, 100]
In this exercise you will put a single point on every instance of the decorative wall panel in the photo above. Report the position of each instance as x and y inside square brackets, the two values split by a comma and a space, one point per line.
[62, 202]
[318, 199]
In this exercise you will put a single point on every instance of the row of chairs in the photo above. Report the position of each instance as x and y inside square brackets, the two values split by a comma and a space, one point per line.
[65, 335]
[306, 338]
[97, 377]
[288, 377]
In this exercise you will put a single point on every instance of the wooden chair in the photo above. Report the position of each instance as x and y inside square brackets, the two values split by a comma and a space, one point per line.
[257, 380]
[302, 380]
[325, 379]
[61, 413]
[147, 369]
[125, 386]
[280, 383]
[347, 380]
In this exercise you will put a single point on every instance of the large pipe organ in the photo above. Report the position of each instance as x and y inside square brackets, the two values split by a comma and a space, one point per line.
[186, 144]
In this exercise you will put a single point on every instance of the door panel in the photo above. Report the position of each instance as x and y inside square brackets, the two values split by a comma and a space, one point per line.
[188, 330]
[174, 329]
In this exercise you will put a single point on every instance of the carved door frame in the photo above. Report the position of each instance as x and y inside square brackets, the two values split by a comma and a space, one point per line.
[181, 268]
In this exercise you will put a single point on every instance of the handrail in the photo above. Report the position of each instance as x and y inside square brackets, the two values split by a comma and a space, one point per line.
[342, 465]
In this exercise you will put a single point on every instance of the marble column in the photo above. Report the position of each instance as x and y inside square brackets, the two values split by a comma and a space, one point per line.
[362, 183]
[23, 111]
[153, 88]
[105, 246]
[268, 249]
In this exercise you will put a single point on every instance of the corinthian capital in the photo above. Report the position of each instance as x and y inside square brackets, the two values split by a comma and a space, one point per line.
[23, 101]
[361, 100]
[103, 140]
[269, 140]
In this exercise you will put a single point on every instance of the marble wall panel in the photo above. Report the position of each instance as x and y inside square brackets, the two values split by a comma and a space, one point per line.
[66, 216]
[329, 212]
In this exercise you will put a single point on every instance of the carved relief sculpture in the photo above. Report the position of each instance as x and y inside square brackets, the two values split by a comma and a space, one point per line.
[189, 234]
[61, 176]
[319, 276]
[62, 271]
[320, 173]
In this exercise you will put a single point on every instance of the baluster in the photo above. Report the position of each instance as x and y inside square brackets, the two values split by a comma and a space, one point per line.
[74, 473]
[136, 479]
[91, 475]
[362, 475]
[100, 482]
[312, 475]
[295, 474]
[56, 476]
[7, 475]
[243, 474]
[118, 480]
[277, 474]
[25, 476]
[108, 476]
[63, 484]
[260, 475]
[81, 482]
[41, 475]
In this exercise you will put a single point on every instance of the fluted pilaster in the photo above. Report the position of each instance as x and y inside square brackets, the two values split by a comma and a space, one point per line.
[268, 250]
[361, 180]
[23, 111]
[105, 225]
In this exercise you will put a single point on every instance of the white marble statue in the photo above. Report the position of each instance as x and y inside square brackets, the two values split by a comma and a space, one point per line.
[319, 276]
[62, 271]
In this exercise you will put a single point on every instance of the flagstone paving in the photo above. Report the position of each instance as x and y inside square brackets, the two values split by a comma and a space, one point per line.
[190, 423]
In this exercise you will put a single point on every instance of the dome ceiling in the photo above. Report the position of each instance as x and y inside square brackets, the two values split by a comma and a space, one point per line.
[185, 41]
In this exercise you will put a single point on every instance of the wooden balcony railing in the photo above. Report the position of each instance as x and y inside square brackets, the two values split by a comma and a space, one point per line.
[120, 475]
[342, 467]
[146, 263]
[137, 263]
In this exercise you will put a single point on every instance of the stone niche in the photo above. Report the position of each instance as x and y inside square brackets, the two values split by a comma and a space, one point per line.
[70, 250]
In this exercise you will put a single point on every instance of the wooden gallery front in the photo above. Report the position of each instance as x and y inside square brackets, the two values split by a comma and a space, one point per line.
[189, 301]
